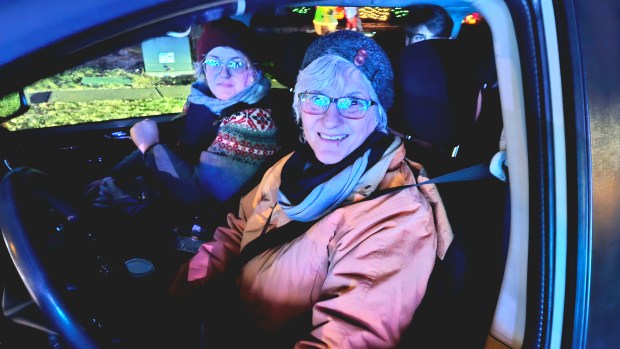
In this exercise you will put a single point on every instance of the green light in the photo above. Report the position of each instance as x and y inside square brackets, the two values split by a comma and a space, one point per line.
[301, 10]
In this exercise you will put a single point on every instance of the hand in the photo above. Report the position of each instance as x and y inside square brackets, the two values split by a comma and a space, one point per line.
[108, 193]
[144, 134]
[111, 196]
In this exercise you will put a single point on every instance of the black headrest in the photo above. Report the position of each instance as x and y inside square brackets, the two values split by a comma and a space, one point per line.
[477, 41]
[437, 91]
[288, 55]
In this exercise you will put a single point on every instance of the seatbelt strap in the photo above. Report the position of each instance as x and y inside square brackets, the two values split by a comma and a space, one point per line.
[472, 173]
[294, 229]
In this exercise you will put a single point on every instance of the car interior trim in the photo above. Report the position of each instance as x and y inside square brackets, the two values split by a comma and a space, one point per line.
[559, 151]
[240, 7]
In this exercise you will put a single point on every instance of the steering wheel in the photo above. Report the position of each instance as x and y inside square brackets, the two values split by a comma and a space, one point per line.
[78, 288]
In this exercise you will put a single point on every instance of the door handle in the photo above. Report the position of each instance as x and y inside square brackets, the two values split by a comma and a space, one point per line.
[118, 135]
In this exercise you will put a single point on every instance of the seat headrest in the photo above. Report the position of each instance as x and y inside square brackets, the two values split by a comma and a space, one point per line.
[437, 90]
[288, 55]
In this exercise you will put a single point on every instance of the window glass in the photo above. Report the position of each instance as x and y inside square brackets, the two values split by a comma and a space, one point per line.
[151, 78]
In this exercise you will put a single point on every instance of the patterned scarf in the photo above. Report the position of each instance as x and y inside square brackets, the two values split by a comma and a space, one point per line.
[200, 94]
[310, 189]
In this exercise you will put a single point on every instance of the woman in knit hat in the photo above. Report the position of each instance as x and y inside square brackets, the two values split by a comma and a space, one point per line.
[226, 132]
[329, 250]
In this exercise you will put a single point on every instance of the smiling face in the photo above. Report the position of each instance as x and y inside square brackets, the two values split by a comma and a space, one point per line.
[331, 136]
[227, 83]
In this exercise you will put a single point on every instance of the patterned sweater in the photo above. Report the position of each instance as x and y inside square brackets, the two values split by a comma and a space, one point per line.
[245, 138]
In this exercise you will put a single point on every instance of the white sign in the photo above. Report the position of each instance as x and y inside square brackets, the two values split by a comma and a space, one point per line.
[166, 57]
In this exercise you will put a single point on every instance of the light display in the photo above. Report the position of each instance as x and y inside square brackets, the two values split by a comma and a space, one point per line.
[301, 10]
[375, 13]
[472, 18]
[325, 20]
[399, 12]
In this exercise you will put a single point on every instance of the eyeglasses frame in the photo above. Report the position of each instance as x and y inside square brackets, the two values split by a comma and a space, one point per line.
[335, 100]
[224, 64]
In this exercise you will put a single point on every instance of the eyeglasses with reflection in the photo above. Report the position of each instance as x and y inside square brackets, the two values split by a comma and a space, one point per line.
[214, 66]
[348, 107]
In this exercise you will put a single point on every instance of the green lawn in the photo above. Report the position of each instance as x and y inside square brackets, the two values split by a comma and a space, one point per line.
[72, 79]
[63, 113]
[103, 73]
[9, 104]
[89, 77]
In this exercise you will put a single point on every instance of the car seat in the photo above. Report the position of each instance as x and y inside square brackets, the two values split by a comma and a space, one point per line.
[286, 52]
[438, 111]
[437, 103]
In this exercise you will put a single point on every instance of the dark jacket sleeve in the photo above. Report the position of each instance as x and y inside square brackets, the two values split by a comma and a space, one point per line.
[216, 177]
[130, 167]
[178, 178]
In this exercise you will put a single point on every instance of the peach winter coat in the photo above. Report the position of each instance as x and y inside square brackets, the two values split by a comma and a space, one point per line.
[362, 270]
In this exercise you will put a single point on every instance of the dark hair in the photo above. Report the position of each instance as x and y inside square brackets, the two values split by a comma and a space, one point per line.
[434, 17]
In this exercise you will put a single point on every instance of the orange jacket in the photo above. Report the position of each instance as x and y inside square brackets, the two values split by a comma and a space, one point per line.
[362, 270]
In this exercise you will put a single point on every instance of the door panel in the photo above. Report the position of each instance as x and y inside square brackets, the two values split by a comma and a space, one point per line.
[76, 154]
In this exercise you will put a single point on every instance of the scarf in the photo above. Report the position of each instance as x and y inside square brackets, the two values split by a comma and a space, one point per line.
[200, 94]
[310, 189]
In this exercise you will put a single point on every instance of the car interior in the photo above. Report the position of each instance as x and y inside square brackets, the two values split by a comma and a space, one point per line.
[453, 110]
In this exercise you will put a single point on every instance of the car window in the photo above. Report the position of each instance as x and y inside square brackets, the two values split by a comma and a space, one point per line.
[154, 77]
[151, 78]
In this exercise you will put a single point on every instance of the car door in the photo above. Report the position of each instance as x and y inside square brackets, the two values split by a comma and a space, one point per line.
[570, 84]
[592, 35]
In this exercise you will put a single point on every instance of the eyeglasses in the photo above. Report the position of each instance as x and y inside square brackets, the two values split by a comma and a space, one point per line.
[215, 66]
[348, 107]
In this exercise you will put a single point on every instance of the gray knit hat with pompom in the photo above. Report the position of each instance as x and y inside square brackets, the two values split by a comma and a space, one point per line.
[362, 51]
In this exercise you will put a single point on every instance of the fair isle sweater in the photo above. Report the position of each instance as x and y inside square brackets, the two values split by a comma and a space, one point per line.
[245, 138]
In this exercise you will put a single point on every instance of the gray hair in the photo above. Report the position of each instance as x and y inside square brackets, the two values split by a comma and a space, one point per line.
[320, 74]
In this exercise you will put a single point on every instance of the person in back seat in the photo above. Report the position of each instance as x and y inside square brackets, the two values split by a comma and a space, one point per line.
[426, 22]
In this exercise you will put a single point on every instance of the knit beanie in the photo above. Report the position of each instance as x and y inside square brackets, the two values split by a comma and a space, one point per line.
[364, 53]
[225, 32]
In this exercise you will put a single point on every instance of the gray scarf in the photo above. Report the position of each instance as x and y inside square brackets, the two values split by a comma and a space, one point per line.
[250, 95]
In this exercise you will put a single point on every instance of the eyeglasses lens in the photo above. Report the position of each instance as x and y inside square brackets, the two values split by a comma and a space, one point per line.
[316, 104]
[214, 66]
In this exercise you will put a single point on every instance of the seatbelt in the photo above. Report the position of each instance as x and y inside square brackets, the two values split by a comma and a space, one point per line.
[294, 229]
[472, 173]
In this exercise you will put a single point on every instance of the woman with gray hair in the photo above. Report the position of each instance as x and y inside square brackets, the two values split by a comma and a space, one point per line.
[327, 251]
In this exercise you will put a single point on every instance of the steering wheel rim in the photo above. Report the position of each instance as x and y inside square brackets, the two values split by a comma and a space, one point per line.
[24, 194]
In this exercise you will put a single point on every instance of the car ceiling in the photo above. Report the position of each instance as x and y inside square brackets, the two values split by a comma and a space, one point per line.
[37, 23]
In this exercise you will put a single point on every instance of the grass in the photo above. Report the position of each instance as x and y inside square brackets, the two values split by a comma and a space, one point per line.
[9, 104]
[125, 65]
[72, 79]
[64, 113]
